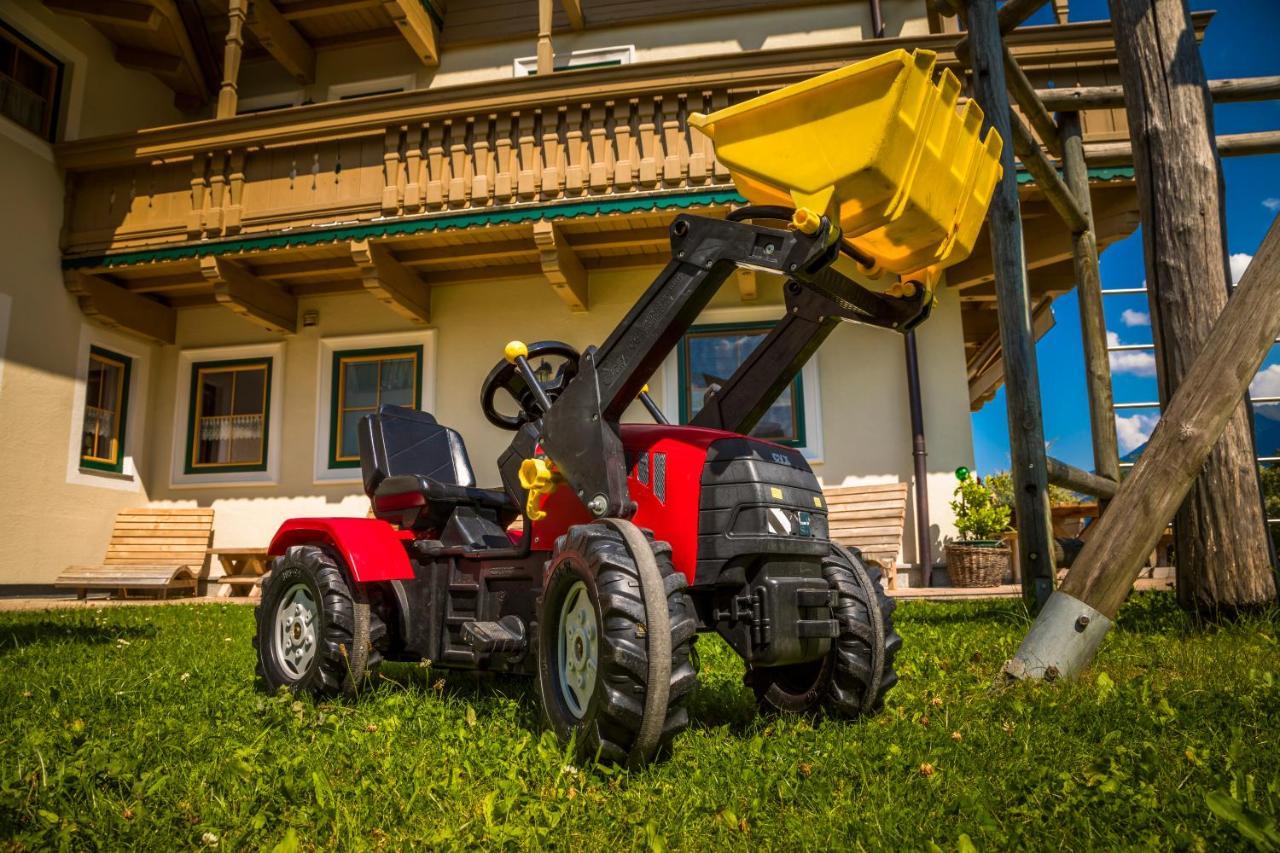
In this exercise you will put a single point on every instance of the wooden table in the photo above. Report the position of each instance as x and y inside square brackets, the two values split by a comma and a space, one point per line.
[243, 570]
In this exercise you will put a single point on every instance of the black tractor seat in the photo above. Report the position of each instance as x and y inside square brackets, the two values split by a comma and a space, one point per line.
[417, 473]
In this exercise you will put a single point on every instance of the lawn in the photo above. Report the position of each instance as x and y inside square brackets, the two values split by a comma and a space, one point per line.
[141, 728]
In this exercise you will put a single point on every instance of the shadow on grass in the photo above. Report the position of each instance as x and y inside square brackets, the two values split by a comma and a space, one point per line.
[45, 631]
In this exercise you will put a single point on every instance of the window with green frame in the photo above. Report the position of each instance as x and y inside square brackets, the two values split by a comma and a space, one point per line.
[363, 381]
[106, 410]
[228, 421]
[708, 356]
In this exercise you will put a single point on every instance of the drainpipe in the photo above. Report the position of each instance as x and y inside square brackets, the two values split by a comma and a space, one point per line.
[877, 20]
[924, 544]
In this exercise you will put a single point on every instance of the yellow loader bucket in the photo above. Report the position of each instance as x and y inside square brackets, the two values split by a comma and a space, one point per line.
[876, 146]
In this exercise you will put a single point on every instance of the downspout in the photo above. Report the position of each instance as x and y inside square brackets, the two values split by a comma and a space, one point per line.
[924, 542]
[877, 20]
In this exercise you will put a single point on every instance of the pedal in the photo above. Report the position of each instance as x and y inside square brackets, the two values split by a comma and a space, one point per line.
[506, 636]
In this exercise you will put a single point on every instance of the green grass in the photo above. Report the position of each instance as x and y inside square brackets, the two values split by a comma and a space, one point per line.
[141, 728]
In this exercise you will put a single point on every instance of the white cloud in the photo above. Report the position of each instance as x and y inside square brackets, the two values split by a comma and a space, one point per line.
[1239, 263]
[1271, 204]
[1266, 383]
[1135, 318]
[1133, 362]
[1133, 431]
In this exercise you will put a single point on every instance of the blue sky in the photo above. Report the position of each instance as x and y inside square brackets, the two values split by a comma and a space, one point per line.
[1240, 42]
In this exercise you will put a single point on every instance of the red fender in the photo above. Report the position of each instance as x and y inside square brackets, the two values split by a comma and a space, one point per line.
[372, 549]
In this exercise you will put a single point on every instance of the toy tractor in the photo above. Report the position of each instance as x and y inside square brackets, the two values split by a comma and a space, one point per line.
[638, 536]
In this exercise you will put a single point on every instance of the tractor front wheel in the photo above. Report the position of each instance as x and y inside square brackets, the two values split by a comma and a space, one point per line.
[595, 645]
[852, 679]
[316, 633]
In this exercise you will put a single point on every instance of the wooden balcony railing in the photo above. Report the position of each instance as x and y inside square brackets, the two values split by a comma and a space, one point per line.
[580, 135]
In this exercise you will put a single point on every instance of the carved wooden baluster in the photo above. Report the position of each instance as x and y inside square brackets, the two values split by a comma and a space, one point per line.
[482, 179]
[700, 145]
[199, 183]
[217, 183]
[391, 171]
[436, 166]
[575, 170]
[626, 165]
[675, 164]
[235, 208]
[648, 143]
[719, 172]
[506, 166]
[530, 174]
[413, 169]
[552, 154]
[459, 179]
[600, 150]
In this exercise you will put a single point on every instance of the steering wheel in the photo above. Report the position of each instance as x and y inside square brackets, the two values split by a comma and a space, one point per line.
[506, 376]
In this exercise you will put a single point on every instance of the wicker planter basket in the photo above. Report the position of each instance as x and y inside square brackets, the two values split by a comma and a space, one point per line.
[970, 564]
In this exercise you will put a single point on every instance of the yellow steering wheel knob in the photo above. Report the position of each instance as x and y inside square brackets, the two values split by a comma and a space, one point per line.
[514, 350]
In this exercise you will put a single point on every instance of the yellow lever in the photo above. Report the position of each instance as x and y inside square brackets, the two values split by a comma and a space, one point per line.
[515, 350]
[539, 477]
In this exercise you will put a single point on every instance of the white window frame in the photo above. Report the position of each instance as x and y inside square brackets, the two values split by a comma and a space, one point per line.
[625, 54]
[380, 85]
[128, 479]
[812, 450]
[187, 359]
[425, 338]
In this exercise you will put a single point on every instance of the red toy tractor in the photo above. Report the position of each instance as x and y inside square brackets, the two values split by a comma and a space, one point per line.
[636, 536]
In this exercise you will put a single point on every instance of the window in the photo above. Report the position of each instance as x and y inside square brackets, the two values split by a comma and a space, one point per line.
[228, 420]
[30, 80]
[708, 356]
[106, 405]
[364, 380]
[370, 88]
[599, 57]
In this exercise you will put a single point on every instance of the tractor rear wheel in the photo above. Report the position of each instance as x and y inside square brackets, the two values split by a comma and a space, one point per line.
[316, 633]
[852, 679]
[595, 643]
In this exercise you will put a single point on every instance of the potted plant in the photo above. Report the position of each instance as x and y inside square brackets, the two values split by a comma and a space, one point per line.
[978, 557]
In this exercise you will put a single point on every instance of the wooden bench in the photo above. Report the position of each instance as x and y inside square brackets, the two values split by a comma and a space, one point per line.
[243, 570]
[871, 519]
[151, 550]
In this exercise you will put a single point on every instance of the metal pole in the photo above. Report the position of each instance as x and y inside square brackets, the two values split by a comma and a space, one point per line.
[924, 543]
[877, 20]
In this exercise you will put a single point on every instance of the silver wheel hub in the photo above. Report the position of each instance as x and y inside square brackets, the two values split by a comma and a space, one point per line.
[296, 632]
[577, 649]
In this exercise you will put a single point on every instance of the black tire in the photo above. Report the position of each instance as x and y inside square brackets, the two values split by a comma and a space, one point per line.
[853, 678]
[606, 730]
[350, 637]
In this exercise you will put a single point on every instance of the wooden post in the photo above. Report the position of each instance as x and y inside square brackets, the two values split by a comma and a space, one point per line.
[546, 53]
[1220, 533]
[1093, 325]
[1066, 634]
[1022, 382]
[227, 96]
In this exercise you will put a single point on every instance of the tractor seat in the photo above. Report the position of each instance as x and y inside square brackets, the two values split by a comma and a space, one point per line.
[417, 473]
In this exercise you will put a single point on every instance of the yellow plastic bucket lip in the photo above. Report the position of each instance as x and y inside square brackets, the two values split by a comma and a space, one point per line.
[706, 123]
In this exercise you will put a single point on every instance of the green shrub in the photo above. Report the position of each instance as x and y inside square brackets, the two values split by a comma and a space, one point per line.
[1001, 485]
[979, 515]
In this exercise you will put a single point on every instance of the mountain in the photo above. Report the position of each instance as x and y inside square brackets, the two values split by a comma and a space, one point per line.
[1266, 430]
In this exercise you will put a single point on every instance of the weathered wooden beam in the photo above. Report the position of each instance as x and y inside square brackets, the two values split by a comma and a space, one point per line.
[1093, 326]
[573, 9]
[1227, 91]
[151, 61]
[120, 13]
[560, 265]
[119, 309]
[1022, 381]
[394, 284]
[1047, 178]
[1229, 145]
[1022, 91]
[1079, 480]
[260, 302]
[282, 41]
[1011, 15]
[417, 27]
[1067, 633]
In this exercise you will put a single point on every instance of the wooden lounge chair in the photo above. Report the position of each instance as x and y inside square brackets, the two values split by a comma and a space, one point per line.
[870, 518]
[151, 550]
